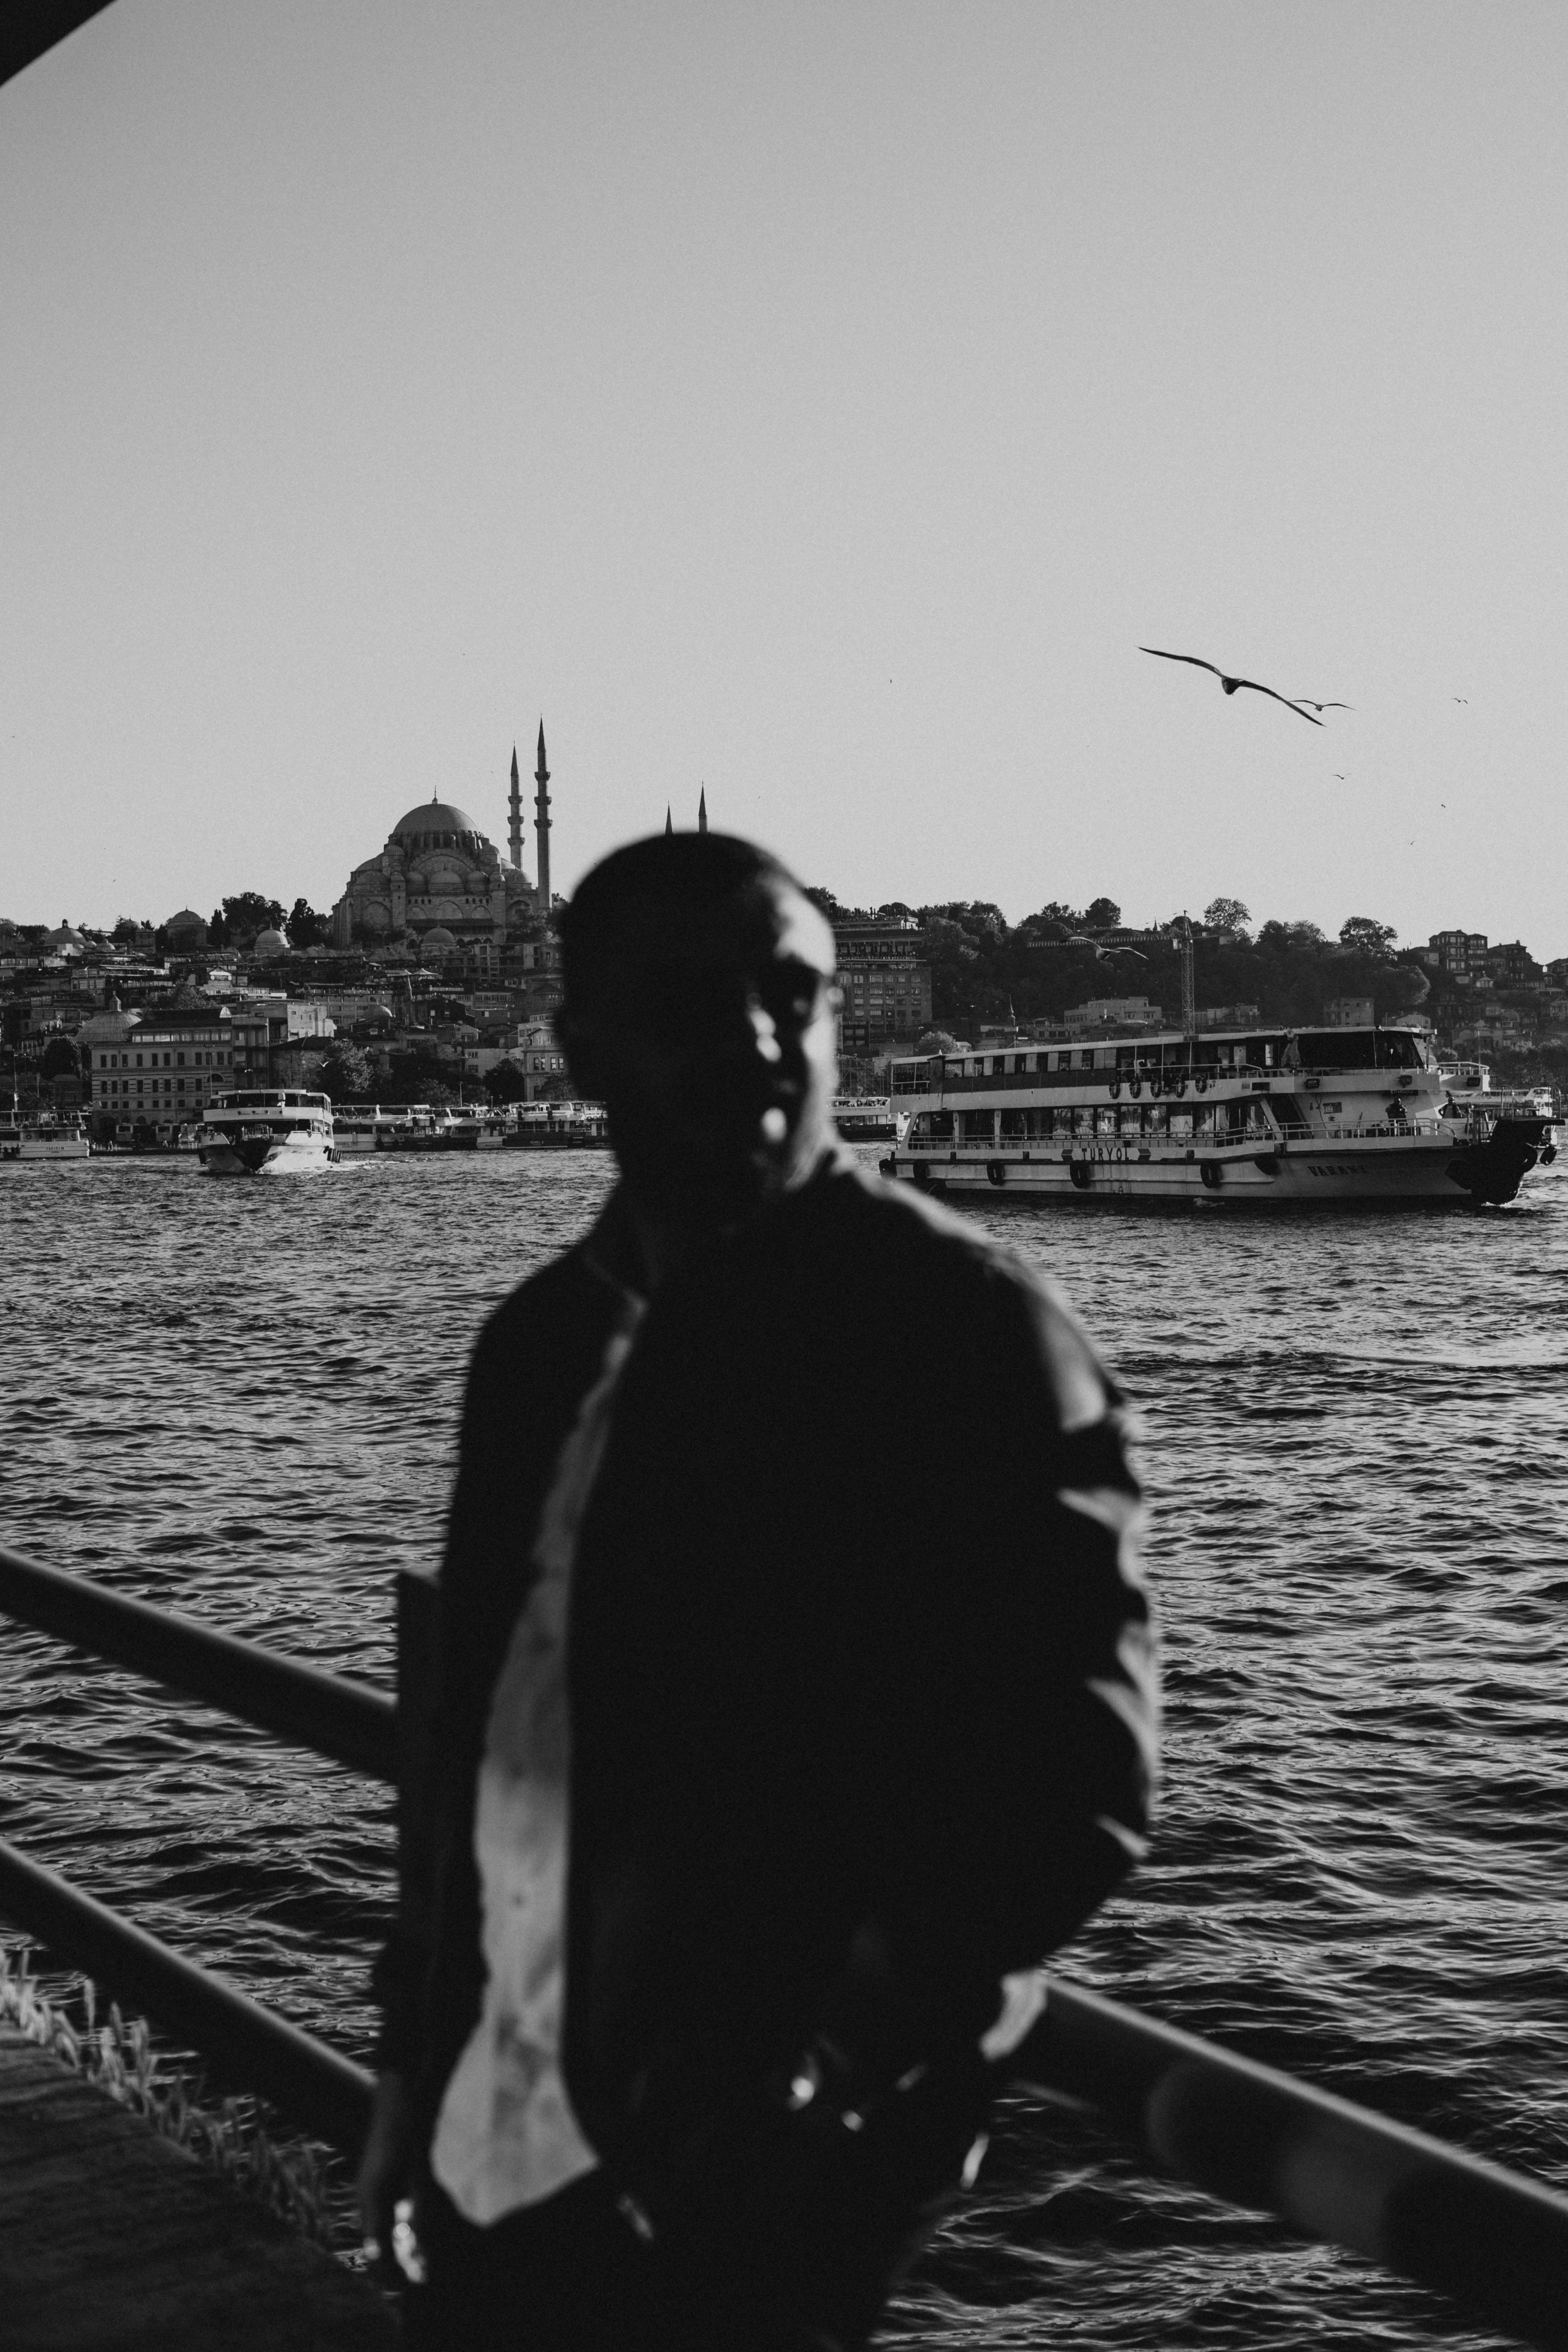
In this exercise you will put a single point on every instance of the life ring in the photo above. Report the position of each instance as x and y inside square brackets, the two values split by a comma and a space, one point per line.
[996, 1171]
[1115, 1087]
[1134, 1086]
[1156, 1086]
[1202, 1082]
[1212, 1174]
[1081, 1175]
[1180, 1086]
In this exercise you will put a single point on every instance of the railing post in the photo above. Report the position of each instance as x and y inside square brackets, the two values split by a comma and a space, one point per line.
[417, 1604]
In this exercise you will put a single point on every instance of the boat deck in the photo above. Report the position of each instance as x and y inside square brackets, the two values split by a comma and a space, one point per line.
[113, 2239]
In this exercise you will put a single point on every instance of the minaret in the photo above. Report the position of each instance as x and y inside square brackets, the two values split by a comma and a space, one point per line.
[702, 811]
[542, 826]
[669, 820]
[515, 834]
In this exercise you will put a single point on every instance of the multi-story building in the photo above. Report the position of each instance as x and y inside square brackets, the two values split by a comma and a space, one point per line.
[1460, 954]
[1348, 1012]
[164, 1065]
[1511, 965]
[885, 982]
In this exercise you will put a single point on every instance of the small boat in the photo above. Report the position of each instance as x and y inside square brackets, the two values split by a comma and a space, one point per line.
[48, 1138]
[266, 1130]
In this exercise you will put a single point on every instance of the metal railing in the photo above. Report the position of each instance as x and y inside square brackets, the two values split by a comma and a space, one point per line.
[1495, 2239]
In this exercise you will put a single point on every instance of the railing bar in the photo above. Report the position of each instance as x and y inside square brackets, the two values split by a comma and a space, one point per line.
[1494, 2239]
[340, 1718]
[315, 2086]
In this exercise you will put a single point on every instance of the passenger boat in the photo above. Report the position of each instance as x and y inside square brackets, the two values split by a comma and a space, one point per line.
[43, 1139]
[1258, 1115]
[864, 1119]
[266, 1130]
[358, 1128]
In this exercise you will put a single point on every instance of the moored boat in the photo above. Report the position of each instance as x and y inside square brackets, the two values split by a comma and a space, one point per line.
[266, 1130]
[1267, 1116]
[47, 1137]
[864, 1119]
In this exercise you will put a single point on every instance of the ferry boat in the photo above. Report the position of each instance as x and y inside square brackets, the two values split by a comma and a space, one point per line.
[358, 1128]
[266, 1130]
[1257, 1114]
[864, 1119]
[43, 1139]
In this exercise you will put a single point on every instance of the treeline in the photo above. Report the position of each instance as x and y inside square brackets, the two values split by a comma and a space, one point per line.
[986, 970]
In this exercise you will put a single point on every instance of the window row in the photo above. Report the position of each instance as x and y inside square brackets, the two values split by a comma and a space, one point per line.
[1227, 1121]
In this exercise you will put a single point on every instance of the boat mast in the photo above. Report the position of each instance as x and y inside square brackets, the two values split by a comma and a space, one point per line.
[1189, 998]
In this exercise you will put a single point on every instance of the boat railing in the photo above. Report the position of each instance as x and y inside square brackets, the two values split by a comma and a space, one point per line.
[1331, 2171]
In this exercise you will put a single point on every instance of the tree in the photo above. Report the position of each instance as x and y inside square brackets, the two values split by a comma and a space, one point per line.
[935, 1041]
[1227, 915]
[1102, 915]
[1366, 937]
[305, 927]
[217, 929]
[245, 916]
[505, 1083]
[60, 1059]
[128, 932]
[345, 1072]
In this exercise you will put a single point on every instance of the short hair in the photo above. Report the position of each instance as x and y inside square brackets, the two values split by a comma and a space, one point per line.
[649, 891]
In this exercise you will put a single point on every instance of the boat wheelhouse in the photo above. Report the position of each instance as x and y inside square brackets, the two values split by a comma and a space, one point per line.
[1264, 1115]
[266, 1131]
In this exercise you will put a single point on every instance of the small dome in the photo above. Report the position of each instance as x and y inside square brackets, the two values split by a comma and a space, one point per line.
[66, 936]
[438, 942]
[271, 943]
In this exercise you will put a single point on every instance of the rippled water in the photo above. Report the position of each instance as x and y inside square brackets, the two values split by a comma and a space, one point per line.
[240, 1399]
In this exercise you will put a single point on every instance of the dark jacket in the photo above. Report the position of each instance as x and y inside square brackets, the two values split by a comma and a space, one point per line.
[858, 1657]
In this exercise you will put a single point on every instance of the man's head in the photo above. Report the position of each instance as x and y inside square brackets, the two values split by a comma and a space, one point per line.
[698, 1009]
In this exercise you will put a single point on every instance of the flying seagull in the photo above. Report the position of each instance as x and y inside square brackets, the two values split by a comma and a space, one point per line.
[1230, 684]
[1305, 701]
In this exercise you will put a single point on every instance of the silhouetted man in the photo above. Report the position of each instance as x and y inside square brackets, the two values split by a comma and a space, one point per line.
[795, 1690]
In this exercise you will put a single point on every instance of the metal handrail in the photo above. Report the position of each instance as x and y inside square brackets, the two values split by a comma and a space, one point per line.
[1494, 2239]
[316, 2086]
[343, 1719]
[1242, 2132]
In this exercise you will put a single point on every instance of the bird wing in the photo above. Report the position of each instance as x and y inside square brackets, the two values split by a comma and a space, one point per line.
[1285, 699]
[1196, 659]
[1299, 699]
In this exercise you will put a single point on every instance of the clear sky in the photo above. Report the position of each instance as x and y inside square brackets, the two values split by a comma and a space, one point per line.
[819, 402]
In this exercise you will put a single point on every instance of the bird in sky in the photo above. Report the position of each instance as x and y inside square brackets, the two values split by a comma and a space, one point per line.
[1231, 684]
[1305, 701]
[1458, 697]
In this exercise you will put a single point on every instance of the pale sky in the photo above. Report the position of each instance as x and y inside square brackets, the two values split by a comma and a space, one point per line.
[819, 402]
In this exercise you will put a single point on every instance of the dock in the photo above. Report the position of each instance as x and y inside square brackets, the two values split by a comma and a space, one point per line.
[114, 2240]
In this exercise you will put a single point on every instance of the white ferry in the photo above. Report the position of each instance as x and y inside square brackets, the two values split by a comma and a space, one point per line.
[43, 1139]
[358, 1128]
[266, 1130]
[1267, 1116]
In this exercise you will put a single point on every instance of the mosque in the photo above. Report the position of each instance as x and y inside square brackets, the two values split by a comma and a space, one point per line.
[441, 881]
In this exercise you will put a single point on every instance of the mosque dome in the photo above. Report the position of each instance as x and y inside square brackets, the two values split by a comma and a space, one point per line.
[438, 942]
[270, 943]
[437, 825]
[66, 936]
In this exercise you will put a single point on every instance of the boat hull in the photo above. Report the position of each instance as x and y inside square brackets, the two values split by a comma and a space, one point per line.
[265, 1156]
[1426, 1169]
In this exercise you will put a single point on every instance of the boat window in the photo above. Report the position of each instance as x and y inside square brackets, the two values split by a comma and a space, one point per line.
[1359, 1049]
[1012, 1130]
[1086, 1059]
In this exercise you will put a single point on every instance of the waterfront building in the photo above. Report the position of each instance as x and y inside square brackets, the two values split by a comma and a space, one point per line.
[441, 883]
[884, 980]
[1122, 1012]
[164, 1065]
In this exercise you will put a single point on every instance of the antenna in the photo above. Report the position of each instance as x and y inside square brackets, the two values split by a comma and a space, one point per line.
[1189, 997]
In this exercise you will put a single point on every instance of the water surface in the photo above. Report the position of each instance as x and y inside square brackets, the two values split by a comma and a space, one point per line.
[240, 1399]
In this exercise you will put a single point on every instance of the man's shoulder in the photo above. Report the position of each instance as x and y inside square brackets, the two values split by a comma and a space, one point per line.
[908, 1260]
[556, 1300]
